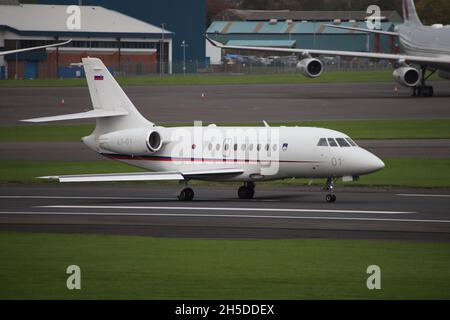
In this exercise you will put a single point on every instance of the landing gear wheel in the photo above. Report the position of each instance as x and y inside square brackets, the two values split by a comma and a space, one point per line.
[246, 192]
[427, 91]
[422, 90]
[330, 198]
[186, 194]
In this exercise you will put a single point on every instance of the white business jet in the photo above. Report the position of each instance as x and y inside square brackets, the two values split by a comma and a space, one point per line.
[244, 154]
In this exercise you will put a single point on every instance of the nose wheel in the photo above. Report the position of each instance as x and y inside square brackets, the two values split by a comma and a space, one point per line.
[247, 191]
[330, 197]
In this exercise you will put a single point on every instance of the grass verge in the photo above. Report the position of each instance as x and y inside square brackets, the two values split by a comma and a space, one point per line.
[33, 266]
[212, 79]
[400, 172]
[361, 129]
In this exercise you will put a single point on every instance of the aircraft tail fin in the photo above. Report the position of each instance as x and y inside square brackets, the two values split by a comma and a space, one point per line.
[107, 95]
[113, 110]
[410, 13]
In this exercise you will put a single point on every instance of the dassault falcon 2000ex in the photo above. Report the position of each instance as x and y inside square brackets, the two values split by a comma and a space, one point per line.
[426, 49]
[244, 154]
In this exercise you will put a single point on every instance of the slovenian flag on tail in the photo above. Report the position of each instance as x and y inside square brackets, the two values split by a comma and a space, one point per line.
[100, 77]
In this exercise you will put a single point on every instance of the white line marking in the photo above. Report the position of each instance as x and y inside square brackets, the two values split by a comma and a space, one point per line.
[223, 209]
[93, 198]
[222, 216]
[423, 195]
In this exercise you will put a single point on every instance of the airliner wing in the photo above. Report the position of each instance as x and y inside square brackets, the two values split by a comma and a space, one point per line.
[388, 33]
[401, 58]
[2, 53]
[145, 176]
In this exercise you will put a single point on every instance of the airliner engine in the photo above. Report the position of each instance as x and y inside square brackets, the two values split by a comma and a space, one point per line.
[310, 67]
[407, 76]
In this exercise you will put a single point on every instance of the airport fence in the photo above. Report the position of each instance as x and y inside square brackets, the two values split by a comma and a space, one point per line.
[47, 70]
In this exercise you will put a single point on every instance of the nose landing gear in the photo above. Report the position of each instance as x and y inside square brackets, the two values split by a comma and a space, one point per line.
[331, 197]
[247, 191]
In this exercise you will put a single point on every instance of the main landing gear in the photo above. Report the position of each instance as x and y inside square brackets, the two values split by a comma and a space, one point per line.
[186, 193]
[247, 191]
[422, 90]
[330, 197]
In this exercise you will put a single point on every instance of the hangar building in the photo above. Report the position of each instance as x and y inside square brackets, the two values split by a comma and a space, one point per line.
[125, 44]
[302, 29]
[185, 18]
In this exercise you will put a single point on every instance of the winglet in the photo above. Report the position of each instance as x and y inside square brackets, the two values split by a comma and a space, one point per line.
[214, 42]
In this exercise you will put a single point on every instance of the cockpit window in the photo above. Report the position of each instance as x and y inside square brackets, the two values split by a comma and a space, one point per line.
[332, 142]
[352, 143]
[342, 142]
[323, 143]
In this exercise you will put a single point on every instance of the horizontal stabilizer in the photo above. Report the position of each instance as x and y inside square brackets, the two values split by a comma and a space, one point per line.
[98, 113]
[143, 176]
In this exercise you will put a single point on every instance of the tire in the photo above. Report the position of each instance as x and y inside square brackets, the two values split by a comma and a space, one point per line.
[186, 195]
[246, 193]
[330, 198]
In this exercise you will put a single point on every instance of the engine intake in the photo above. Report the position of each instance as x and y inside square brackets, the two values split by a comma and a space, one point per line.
[407, 76]
[310, 67]
[132, 141]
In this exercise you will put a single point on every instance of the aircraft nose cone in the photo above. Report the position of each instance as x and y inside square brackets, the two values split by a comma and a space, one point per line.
[375, 163]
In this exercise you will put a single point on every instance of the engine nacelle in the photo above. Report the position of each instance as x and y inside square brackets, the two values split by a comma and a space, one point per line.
[132, 141]
[407, 76]
[310, 67]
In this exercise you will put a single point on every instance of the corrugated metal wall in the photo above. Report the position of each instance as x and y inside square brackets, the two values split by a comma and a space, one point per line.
[187, 19]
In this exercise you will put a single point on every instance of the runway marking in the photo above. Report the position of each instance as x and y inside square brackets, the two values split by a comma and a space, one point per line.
[423, 195]
[223, 209]
[87, 198]
[223, 216]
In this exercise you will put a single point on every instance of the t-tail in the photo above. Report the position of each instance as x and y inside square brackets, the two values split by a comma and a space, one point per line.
[112, 109]
[410, 13]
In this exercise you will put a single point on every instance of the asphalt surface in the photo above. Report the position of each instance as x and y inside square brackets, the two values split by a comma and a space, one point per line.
[278, 213]
[237, 103]
[275, 213]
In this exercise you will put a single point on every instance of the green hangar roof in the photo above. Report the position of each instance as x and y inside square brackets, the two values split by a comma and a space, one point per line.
[284, 27]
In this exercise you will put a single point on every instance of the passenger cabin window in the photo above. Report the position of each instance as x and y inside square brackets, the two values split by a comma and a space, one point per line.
[342, 142]
[352, 143]
[323, 143]
[332, 142]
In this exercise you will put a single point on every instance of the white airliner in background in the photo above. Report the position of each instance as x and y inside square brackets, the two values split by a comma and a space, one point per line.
[427, 48]
[2, 53]
[244, 154]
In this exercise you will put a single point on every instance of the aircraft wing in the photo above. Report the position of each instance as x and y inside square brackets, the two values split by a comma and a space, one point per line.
[401, 58]
[145, 176]
[388, 33]
[2, 53]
